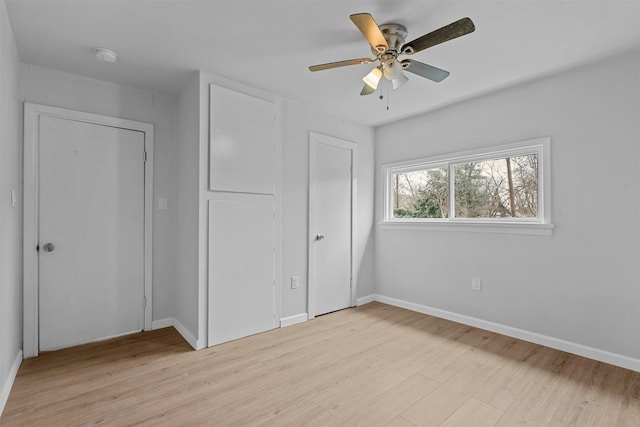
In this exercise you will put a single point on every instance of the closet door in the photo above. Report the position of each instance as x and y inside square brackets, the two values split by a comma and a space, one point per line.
[91, 229]
[241, 143]
[241, 216]
[241, 267]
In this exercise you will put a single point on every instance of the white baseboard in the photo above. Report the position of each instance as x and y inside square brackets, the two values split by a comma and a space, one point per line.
[6, 387]
[292, 320]
[556, 343]
[365, 300]
[162, 323]
[186, 334]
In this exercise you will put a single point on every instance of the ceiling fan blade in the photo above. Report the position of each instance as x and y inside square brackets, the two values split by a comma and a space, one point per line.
[369, 29]
[448, 32]
[367, 90]
[337, 64]
[425, 70]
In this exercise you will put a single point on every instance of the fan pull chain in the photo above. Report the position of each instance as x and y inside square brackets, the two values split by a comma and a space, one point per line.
[388, 84]
[383, 97]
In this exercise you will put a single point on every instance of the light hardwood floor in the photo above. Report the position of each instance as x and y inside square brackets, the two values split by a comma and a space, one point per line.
[373, 365]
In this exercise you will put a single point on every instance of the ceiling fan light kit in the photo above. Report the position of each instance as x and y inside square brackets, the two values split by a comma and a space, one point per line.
[373, 78]
[388, 43]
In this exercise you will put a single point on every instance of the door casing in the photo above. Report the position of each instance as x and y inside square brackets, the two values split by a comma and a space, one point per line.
[32, 114]
[314, 139]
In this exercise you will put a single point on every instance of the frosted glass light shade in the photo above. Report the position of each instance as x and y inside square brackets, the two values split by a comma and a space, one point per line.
[373, 78]
[399, 80]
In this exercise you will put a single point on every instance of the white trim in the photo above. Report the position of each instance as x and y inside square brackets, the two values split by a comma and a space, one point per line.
[365, 300]
[475, 226]
[186, 334]
[278, 210]
[32, 113]
[292, 320]
[6, 388]
[314, 139]
[556, 343]
[162, 323]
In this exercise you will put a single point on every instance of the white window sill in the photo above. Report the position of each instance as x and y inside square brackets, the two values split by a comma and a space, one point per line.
[537, 229]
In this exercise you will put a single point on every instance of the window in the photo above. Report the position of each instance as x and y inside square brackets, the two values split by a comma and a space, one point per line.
[421, 193]
[497, 186]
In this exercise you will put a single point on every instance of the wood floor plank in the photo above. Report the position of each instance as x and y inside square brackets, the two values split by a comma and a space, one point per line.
[372, 365]
[399, 422]
[446, 399]
[459, 351]
[386, 407]
[512, 377]
[474, 413]
[316, 416]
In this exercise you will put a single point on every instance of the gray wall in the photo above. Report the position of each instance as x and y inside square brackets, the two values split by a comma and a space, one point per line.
[186, 287]
[579, 285]
[10, 216]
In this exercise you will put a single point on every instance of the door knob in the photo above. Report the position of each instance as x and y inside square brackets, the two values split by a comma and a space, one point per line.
[319, 237]
[48, 247]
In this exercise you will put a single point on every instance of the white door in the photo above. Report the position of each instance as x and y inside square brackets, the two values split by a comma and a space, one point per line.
[241, 266]
[91, 232]
[331, 213]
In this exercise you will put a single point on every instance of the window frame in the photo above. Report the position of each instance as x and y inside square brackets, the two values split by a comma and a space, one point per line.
[538, 225]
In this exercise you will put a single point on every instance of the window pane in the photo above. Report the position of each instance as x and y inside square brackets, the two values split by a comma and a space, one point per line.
[497, 188]
[421, 194]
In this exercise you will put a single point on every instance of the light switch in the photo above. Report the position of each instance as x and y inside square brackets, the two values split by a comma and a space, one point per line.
[163, 203]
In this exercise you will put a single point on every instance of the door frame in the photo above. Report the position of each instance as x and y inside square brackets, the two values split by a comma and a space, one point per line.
[314, 140]
[32, 114]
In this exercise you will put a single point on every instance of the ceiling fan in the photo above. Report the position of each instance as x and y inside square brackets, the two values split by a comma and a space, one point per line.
[388, 43]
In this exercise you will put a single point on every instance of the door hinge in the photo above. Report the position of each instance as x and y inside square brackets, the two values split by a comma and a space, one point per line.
[37, 248]
[351, 283]
[144, 303]
[145, 156]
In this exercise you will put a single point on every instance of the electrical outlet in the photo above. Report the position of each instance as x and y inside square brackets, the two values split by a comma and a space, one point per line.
[476, 284]
[295, 282]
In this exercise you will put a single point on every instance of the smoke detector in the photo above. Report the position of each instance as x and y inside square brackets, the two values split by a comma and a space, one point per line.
[106, 55]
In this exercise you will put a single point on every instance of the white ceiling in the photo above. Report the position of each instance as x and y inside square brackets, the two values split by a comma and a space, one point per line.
[268, 44]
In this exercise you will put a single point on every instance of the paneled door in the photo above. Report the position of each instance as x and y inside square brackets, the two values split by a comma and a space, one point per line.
[91, 232]
[331, 210]
[241, 266]
[243, 244]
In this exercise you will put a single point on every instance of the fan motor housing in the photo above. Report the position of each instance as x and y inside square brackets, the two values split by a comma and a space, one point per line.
[394, 34]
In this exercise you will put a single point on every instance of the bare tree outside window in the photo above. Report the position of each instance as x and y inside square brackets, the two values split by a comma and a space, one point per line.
[492, 188]
[421, 194]
[497, 188]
